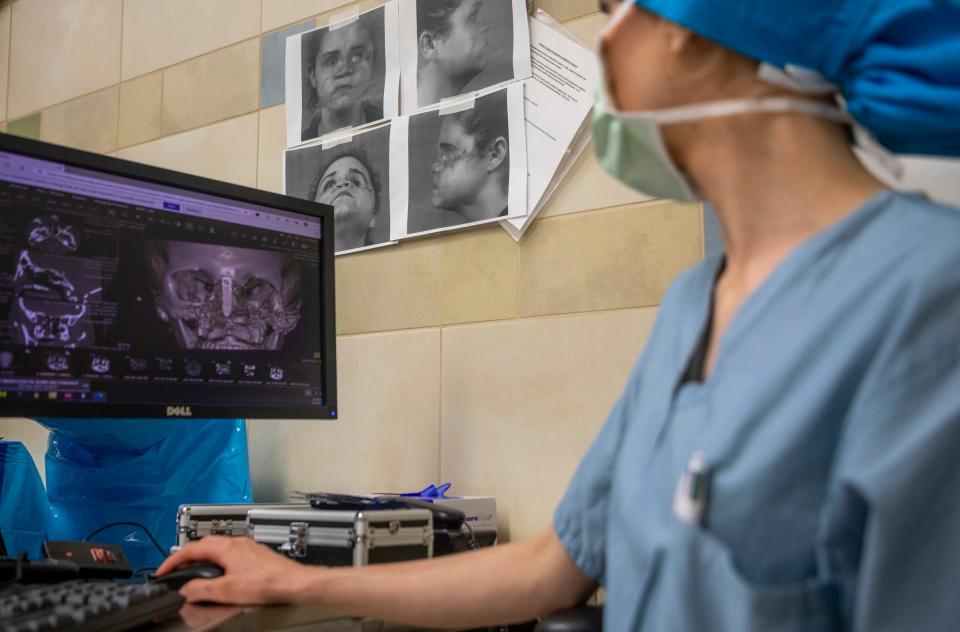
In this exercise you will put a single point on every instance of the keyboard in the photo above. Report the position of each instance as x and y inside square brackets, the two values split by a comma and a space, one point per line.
[85, 606]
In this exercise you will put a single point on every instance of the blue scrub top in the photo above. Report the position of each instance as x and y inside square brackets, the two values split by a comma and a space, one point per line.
[830, 428]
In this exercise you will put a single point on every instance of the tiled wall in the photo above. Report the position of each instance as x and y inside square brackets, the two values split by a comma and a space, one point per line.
[466, 357]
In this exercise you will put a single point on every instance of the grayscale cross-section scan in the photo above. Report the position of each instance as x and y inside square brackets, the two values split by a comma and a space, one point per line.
[52, 298]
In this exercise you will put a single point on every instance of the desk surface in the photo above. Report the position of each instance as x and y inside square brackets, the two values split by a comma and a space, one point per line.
[195, 618]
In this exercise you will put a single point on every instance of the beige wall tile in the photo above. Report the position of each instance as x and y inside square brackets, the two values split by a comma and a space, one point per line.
[277, 13]
[4, 57]
[395, 287]
[224, 151]
[522, 400]
[30, 434]
[366, 5]
[28, 126]
[563, 10]
[211, 88]
[89, 122]
[61, 50]
[479, 275]
[587, 28]
[587, 187]
[3, 126]
[158, 34]
[141, 109]
[273, 142]
[387, 437]
[623, 257]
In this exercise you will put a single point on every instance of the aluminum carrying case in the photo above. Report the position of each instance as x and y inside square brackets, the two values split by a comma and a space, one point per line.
[344, 537]
[197, 521]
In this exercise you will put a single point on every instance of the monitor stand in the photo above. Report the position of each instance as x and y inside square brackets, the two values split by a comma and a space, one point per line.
[102, 471]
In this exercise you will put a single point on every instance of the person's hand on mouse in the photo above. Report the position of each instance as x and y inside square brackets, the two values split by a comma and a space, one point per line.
[253, 573]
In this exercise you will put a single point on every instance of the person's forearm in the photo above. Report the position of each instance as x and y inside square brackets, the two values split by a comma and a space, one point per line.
[496, 585]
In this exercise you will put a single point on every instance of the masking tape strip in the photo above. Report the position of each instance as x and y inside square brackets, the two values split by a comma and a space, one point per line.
[330, 144]
[344, 18]
[460, 106]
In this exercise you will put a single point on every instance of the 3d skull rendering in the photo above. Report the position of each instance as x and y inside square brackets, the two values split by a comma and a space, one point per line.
[223, 297]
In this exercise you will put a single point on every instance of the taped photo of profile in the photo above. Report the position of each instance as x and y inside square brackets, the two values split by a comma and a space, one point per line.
[351, 174]
[466, 163]
[455, 47]
[344, 75]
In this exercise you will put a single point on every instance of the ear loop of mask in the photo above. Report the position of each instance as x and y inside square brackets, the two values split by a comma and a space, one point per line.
[807, 81]
[730, 107]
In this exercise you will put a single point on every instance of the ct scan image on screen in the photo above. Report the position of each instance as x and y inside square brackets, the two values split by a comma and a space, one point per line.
[224, 298]
[105, 299]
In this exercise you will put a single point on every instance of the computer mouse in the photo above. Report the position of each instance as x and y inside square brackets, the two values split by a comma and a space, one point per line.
[176, 578]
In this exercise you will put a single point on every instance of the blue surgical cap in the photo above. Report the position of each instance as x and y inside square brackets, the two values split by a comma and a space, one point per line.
[896, 62]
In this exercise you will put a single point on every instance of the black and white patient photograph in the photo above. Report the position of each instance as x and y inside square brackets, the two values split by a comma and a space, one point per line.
[225, 298]
[454, 47]
[352, 175]
[344, 75]
[467, 163]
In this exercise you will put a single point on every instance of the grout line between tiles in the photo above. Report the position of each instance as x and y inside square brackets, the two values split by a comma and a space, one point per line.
[192, 129]
[163, 94]
[116, 144]
[122, 80]
[259, 97]
[441, 327]
[517, 272]
[259, 36]
[440, 413]
[6, 97]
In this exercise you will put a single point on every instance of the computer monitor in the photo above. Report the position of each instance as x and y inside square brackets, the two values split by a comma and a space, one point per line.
[133, 291]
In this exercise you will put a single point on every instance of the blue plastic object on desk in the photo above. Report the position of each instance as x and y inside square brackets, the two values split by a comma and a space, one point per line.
[101, 471]
[431, 492]
[24, 511]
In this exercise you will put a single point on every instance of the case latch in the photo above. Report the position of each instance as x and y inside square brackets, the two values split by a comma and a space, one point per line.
[221, 527]
[296, 544]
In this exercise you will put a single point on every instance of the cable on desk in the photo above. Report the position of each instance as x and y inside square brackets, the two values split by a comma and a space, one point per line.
[472, 543]
[129, 524]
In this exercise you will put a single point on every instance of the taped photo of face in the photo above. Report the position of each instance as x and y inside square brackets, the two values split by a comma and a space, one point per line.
[455, 47]
[344, 75]
[352, 175]
[467, 163]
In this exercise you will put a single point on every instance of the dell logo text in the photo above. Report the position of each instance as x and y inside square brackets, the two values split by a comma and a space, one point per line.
[179, 411]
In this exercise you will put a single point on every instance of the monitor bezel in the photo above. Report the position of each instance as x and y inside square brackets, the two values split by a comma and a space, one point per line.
[196, 184]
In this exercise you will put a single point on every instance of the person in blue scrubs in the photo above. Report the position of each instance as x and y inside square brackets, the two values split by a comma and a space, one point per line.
[785, 454]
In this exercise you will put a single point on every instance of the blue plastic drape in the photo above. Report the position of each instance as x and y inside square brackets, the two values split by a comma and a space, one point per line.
[101, 471]
[24, 512]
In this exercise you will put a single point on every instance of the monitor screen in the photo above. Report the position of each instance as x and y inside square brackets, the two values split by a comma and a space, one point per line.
[132, 291]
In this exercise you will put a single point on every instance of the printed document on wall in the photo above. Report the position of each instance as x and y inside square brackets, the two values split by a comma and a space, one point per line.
[558, 100]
